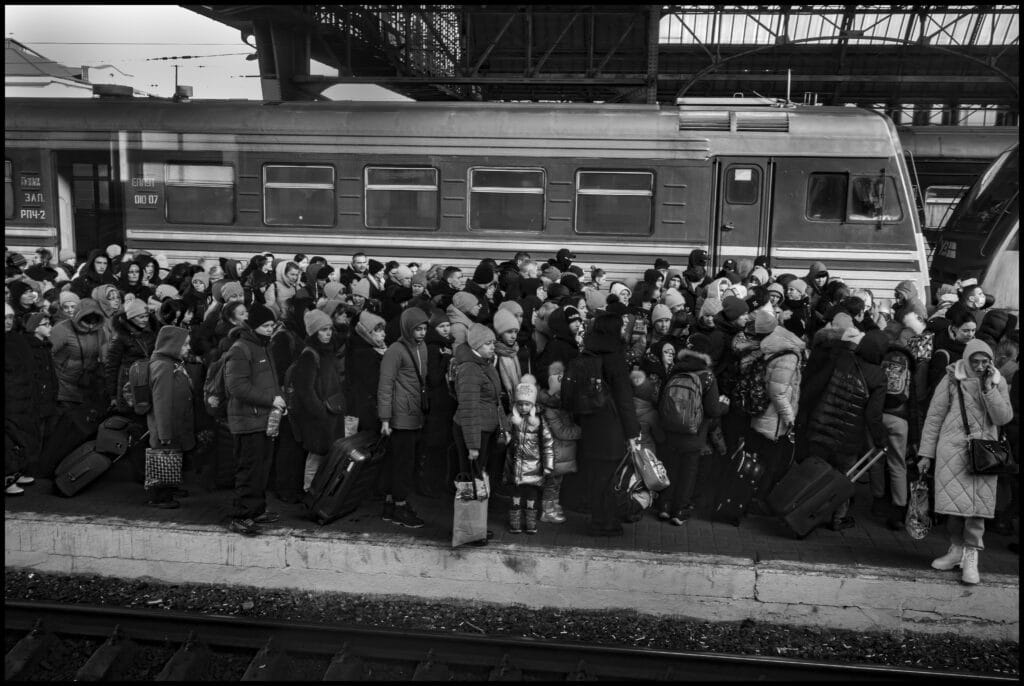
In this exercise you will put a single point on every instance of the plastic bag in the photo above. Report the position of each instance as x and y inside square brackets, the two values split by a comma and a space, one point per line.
[918, 522]
[469, 519]
[650, 468]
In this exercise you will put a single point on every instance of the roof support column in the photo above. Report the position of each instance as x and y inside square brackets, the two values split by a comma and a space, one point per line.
[653, 32]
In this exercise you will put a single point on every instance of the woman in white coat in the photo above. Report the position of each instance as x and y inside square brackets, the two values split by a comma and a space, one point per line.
[967, 499]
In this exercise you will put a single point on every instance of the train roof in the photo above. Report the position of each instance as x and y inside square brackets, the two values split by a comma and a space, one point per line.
[958, 142]
[778, 129]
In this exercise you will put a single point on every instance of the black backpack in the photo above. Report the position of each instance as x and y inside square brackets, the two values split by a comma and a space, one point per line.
[583, 388]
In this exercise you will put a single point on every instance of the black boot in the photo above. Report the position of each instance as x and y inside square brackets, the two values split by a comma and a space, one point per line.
[897, 517]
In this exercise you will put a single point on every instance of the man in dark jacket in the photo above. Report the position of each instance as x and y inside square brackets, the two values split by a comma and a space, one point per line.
[253, 391]
[401, 395]
[432, 473]
[854, 398]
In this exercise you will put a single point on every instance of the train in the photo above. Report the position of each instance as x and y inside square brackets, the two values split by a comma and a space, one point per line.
[981, 239]
[945, 161]
[454, 182]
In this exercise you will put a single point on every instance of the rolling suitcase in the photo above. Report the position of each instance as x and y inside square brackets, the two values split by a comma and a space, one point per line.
[346, 477]
[116, 435]
[812, 490]
[76, 426]
[87, 463]
[744, 474]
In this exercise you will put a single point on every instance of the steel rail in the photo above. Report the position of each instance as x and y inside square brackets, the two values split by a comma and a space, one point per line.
[545, 655]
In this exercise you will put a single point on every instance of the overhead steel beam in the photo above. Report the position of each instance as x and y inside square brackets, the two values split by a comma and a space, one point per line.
[558, 39]
[494, 43]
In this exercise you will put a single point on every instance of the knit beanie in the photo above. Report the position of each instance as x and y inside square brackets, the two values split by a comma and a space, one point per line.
[842, 321]
[403, 272]
[17, 259]
[764, 322]
[201, 276]
[761, 274]
[551, 272]
[661, 263]
[333, 290]
[420, 278]
[512, 306]
[479, 336]
[505, 321]
[739, 290]
[361, 287]
[699, 343]
[673, 298]
[557, 291]
[438, 318]
[231, 289]
[799, 285]
[259, 315]
[661, 312]
[618, 288]
[776, 288]
[375, 267]
[164, 291]
[695, 274]
[527, 389]
[852, 335]
[596, 300]
[483, 274]
[571, 282]
[464, 302]
[33, 321]
[315, 320]
[66, 254]
[216, 273]
[651, 276]
[324, 272]
[68, 297]
[135, 308]
[733, 308]
[369, 321]
[711, 307]
[572, 315]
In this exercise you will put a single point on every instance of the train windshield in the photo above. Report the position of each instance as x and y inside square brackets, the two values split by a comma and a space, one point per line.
[990, 197]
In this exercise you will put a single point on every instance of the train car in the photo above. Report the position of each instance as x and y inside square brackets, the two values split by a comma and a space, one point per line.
[945, 161]
[981, 238]
[454, 182]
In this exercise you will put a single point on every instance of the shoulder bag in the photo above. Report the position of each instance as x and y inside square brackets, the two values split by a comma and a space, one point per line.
[985, 457]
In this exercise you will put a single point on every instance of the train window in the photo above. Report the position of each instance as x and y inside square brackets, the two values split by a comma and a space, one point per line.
[939, 203]
[742, 185]
[8, 189]
[401, 198]
[298, 196]
[874, 198]
[614, 202]
[826, 197]
[506, 199]
[199, 194]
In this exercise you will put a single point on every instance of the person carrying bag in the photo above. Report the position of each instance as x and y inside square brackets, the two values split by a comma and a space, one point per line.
[469, 518]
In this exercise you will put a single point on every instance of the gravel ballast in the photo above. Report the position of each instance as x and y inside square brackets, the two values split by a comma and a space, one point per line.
[946, 651]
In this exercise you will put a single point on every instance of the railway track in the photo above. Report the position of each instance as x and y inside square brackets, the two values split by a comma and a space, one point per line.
[48, 639]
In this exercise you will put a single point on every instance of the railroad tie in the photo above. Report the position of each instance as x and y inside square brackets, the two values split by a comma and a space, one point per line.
[28, 652]
[189, 663]
[110, 659]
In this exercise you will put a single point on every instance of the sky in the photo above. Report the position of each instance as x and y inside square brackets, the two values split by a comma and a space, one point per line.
[135, 39]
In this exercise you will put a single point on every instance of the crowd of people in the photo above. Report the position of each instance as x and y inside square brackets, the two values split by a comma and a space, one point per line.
[465, 370]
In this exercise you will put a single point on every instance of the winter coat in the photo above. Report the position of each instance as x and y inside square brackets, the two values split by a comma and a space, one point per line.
[461, 324]
[20, 422]
[171, 417]
[138, 289]
[438, 424]
[83, 284]
[564, 432]
[561, 347]
[531, 452]
[645, 401]
[486, 313]
[316, 379]
[281, 291]
[251, 383]
[800, 314]
[478, 390]
[362, 373]
[403, 377]
[77, 350]
[509, 371]
[130, 343]
[42, 378]
[957, 491]
[853, 398]
[689, 361]
[782, 380]
[724, 362]
[606, 431]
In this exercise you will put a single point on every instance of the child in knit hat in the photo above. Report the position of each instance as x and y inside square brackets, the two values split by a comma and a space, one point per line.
[566, 434]
[530, 457]
[506, 327]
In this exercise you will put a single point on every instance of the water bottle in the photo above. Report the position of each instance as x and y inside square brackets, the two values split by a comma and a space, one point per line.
[274, 422]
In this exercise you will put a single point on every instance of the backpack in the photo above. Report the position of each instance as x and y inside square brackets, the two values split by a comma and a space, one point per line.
[681, 406]
[583, 388]
[629, 494]
[136, 391]
[897, 378]
[750, 394]
[215, 395]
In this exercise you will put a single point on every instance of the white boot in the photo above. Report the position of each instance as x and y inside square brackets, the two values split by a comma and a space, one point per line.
[969, 575]
[951, 560]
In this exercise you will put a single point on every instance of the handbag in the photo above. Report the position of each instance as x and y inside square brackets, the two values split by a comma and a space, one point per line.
[985, 457]
[650, 468]
[469, 517]
[918, 521]
[163, 467]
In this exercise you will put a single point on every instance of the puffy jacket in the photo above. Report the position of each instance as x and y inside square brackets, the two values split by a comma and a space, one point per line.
[531, 452]
[478, 390]
[782, 381]
[561, 347]
[130, 343]
[564, 432]
[77, 349]
[316, 380]
[854, 396]
[84, 283]
[958, 491]
[171, 417]
[251, 383]
[403, 373]
[362, 374]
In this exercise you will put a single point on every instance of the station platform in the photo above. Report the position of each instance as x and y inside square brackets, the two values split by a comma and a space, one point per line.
[863, 578]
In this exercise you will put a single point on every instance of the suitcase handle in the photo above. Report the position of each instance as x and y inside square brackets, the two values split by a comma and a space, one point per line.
[866, 462]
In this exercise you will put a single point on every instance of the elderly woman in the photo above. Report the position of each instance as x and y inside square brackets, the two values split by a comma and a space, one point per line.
[974, 387]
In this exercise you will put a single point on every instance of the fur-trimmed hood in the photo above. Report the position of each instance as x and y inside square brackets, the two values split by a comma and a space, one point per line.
[690, 361]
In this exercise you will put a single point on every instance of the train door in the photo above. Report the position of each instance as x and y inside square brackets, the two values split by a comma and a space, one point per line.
[96, 207]
[742, 208]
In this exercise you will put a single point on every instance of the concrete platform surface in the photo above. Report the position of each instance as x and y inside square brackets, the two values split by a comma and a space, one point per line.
[863, 578]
